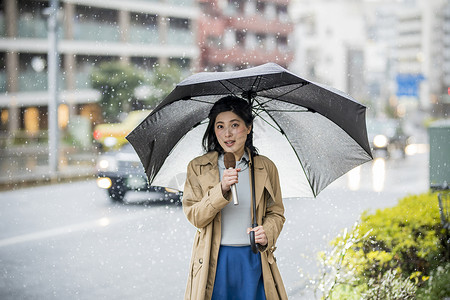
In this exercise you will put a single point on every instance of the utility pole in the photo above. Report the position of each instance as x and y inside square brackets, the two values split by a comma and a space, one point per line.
[53, 68]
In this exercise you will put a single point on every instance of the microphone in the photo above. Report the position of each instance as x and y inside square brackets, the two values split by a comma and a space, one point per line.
[230, 163]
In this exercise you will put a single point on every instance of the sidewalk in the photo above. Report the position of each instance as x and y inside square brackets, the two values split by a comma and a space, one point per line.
[27, 165]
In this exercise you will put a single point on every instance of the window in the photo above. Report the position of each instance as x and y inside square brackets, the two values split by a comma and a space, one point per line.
[146, 20]
[240, 38]
[178, 23]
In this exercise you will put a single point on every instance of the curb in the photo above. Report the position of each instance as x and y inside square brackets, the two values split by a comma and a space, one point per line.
[76, 166]
[37, 179]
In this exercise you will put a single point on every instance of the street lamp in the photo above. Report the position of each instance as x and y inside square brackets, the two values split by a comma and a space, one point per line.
[53, 59]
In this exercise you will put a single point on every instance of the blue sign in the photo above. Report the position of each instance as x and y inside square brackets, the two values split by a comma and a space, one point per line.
[408, 84]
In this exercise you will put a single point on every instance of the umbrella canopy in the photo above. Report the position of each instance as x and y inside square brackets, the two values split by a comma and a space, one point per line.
[317, 129]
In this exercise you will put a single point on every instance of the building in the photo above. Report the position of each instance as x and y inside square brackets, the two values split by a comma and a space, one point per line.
[414, 54]
[236, 34]
[395, 51]
[422, 56]
[441, 102]
[92, 31]
[329, 41]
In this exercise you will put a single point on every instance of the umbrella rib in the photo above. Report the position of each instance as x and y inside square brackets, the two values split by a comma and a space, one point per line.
[288, 110]
[261, 107]
[287, 138]
[264, 103]
[288, 92]
[259, 82]
[277, 129]
[257, 78]
[255, 109]
[201, 101]
[220, 81]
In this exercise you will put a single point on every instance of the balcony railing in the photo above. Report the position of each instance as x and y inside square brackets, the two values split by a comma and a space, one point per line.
[143, 35]
[240, 55]
[32, 81]
[95, 31]
[256, 23]
[186, 3]
[180, 37]
[36, 81]
[32, 27]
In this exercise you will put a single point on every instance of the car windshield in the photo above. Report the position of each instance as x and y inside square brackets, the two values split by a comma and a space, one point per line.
[386, 127]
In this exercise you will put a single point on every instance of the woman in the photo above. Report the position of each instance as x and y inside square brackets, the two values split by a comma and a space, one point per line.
[222, 264]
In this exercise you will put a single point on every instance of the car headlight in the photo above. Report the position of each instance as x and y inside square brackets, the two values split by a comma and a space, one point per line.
[106, 164]
[104, 182]
[110, 141]
[380, 141]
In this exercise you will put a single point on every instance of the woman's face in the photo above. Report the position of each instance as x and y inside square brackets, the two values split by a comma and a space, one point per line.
[231, 132]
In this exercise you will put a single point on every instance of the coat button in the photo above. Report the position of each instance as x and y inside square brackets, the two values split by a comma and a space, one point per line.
[200, 260]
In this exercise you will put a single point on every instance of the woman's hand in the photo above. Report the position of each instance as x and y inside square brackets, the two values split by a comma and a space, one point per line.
[260, 235]
[230, 177]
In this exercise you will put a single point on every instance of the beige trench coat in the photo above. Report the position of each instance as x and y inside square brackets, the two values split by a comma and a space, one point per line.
[202, 203]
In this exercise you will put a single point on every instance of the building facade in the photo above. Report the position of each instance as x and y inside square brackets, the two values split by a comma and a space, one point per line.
[329, 41]
[442, 105]
[214, 35]
[141, 33]
[236, 34]
[399, 48]
[422, 56]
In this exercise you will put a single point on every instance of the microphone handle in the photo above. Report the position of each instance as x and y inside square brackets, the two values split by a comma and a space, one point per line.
[234, 194]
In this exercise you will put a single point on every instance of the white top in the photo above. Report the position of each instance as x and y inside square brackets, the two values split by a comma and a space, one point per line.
[237, 218]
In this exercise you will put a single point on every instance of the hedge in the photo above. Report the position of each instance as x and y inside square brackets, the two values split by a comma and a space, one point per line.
[404, 243]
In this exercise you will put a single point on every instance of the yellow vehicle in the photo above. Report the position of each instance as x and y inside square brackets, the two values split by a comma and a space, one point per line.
[112, 135]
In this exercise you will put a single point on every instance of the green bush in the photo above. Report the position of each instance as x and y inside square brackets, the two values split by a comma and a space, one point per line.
[438, 285]
[390, 286]
[393, 251]
[405, 237]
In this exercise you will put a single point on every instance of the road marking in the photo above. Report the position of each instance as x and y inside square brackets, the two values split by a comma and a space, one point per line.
[102, 222]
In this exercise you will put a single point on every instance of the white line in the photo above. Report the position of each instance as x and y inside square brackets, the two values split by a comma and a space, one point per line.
[102, 222]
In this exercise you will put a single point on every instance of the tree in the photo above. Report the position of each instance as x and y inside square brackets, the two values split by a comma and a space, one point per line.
[162, 82]
[116, 82]
[121, 85]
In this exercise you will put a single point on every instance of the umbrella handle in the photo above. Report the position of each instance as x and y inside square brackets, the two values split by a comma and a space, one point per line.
[254, 245]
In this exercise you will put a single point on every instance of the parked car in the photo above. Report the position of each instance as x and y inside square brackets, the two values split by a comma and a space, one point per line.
[120, 171]
[387, 135]
[112, 135]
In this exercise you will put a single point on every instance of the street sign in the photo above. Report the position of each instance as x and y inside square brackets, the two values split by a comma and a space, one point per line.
[408, 84]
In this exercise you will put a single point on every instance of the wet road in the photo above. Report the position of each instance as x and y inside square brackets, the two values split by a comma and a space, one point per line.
[68, 241]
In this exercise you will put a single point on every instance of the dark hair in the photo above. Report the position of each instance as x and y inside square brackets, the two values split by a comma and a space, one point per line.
[236, 105]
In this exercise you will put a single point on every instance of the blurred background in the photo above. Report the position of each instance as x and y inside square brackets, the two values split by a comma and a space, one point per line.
[76, 76]
[390, 55]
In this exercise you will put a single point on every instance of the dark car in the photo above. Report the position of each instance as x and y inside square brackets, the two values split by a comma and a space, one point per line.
[121, 171]
[387, 135]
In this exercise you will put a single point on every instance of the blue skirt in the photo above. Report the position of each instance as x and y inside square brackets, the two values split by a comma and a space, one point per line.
[238, 275]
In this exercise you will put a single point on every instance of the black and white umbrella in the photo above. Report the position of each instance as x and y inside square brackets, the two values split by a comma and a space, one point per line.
[313, 133]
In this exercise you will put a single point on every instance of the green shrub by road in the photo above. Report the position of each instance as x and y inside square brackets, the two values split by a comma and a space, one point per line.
[404, 243]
